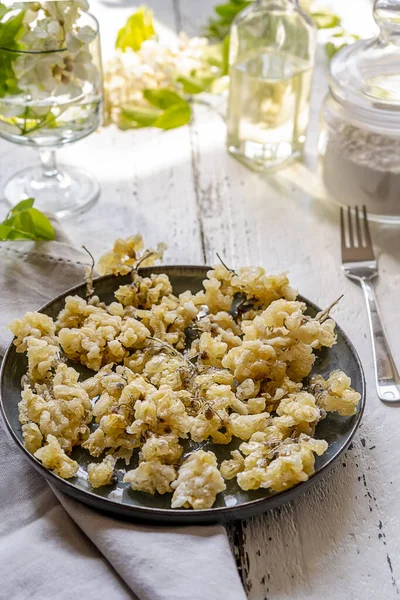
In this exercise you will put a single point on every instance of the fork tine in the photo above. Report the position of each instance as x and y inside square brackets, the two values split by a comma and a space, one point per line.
[351, 238]
[358, 228]
[368, 240]
[342, 230]
[363, 252]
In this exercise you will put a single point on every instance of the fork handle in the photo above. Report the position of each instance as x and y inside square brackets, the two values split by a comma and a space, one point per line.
[386, 374]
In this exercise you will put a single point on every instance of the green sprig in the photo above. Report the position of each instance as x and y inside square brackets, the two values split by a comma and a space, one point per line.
[166, 110]
[24, 222]
[10, 32]
[138, 28]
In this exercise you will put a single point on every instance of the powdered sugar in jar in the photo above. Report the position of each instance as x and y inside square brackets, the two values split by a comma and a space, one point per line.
[360, 133]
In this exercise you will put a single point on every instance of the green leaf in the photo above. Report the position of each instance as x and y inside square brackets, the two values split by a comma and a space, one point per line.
[138, 28]
[28, 203]
[166, 110]
[217, 31]
[196, 84]
[3, 10]
[8, 81]
[228, 10]
[4, 231]
[24, 222]
[9, 233]
[21, 206]
[43, 229]
[326, 20]
[163, 98]
[11, 30]
[218, 28]
[135, 116]
[175, 116]
[191, 85]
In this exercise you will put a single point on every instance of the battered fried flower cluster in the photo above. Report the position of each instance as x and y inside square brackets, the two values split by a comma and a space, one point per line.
[231, 361]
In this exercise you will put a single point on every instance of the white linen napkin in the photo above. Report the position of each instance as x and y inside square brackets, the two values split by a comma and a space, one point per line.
[52, 546]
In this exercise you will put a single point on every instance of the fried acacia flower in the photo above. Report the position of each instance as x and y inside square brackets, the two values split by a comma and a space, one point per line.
[211, 350]
[274, 391]
[164, 369]
[294, 463]
[151, 477]
[230, 468]
[336, 393]
[251, 360]
[62, 409]
[284, 323]
[126, 254]
[33, 437]
[168, 320]
[259, 289]
[32, 325]
[162, 412]
[297, 409]
[101, 473]
[112, 434]
[108, 380]
[143, 292]
[53, 457]
[228, 362]
[255, 283]
[77, 310]
[218, 290]
[103, 338]
[43, 359]
[244, 426]
[247, 389]
[165, 448]
[156, 472]
[198, 483]
[212, 424]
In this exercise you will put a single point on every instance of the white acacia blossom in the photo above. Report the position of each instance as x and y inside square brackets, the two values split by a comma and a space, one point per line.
[155, 65]
[57, 60]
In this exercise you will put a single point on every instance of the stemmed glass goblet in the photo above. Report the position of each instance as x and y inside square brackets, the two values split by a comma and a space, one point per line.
[50, 95]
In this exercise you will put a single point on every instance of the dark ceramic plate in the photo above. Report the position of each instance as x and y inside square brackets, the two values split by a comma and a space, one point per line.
[233, 503]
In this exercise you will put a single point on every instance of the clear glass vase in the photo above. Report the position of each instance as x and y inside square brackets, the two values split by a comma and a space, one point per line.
[272, 51]
[52, 96]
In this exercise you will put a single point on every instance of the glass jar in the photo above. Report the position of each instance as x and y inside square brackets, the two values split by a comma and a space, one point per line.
[272, 50]
[359, 143]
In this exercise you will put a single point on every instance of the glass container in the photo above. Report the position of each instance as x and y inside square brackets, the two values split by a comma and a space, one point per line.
[272, 48]
[359, 143]
[50, 95]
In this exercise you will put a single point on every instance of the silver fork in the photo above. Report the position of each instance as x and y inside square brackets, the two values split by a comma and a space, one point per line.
[359, 263]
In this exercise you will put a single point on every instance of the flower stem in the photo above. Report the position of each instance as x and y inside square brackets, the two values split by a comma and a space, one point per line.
[23, 130]
[42, 121]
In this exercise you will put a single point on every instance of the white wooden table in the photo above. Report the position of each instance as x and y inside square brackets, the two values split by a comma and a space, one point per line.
[341, 540]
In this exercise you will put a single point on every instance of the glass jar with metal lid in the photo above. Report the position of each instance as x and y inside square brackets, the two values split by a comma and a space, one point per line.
[359, 141]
